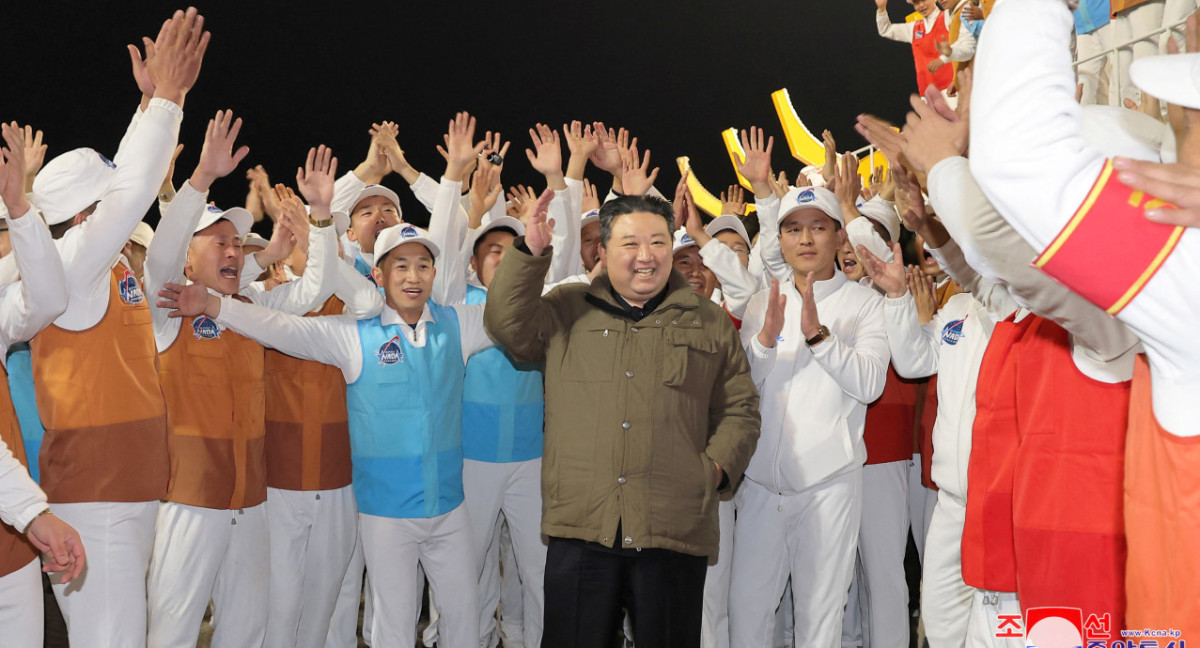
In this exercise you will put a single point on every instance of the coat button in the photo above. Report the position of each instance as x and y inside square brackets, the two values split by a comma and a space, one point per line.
[621, 480]
[628, 540]
[629, 374]
[658, 321]
[633, 329]
[625, 425]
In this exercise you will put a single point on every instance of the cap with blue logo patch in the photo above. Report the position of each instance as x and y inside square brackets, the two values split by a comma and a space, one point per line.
[818, 198]
[496, 223]
[728, 222]
[378, 190]
[881, 211]
[242, 220]
[589, 217]
[683, 240]
[397, 235]
[70, 183]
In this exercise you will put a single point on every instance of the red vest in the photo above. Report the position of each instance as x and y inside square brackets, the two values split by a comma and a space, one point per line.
[924, 45]
[1068, 493]
[927, 395]
[1162, 519]
[889, 426]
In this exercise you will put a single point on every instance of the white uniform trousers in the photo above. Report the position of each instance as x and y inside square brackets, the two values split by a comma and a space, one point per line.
[443, 546]
[714, 633]
[921, 501]
[106, 605]
[1139, 21]
[512, 591]
[813, 537]
[985, 622]
[515, 490]
[945, 598]
[882, 541]
[202, 553]
[21, 619]
[313, 534]
[343, 626]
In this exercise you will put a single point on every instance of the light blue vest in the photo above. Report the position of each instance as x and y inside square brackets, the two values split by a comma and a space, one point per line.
[1092, 15]
[406, 419]
[20, 387]
[503, 404]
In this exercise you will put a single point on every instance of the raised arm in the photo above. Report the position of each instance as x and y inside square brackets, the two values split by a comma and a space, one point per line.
[893, 31]
[447, 223]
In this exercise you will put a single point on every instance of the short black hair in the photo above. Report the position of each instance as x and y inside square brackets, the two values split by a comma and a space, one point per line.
[479, 241]
[630, 205]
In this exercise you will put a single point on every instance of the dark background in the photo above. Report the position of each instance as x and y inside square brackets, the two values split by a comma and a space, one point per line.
[301, 74]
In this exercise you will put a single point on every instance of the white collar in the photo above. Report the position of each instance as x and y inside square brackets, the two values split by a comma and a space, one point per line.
[389, 316]
[823, 288]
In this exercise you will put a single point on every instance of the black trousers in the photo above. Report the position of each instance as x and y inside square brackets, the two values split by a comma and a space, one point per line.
[588, 585]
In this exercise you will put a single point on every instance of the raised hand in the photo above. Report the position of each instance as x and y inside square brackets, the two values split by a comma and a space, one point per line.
[217, 158]
[733, 200]
[546, 155]
[281, 243]
[485, 190]
[60, 544]
[140, 75]
[756, 165]
[921, 287]
[810, 324]
[260, 184]
[773, 320]
[881, 5]
[888, 276]
[178, 53]
[460, 151]
[686, 214]
[930, 137]
[582, 143]
[591, 198]
[829, 169]
[607, 156]
[637, 178]
[191, 300]
[35, 155]
[493, 144]
[12, 169]
[523, 199]
[293, 222]
[383, 155]
[972, 11]
[848, 186]
[539, 231]
[315, 180]
[881, 135]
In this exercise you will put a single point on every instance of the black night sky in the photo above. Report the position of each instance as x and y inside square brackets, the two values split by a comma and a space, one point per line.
[301, 74]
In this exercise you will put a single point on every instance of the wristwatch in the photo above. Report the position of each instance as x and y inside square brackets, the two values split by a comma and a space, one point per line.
[323, 223]
[822, 333]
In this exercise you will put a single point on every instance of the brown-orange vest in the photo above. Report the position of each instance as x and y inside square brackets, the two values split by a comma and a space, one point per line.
[15, 550]
[213, 382]
[308, 434]
[99, 399]
[1162, 520]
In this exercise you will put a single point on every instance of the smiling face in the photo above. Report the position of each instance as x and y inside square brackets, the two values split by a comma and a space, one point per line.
[406, 275]
[688, 263]
[638, 256]
[489, 250]
[849, 262]
[735, 242]
[214, 258]
[369, 217]
[923, 7]
[589, 245]
[810, 240]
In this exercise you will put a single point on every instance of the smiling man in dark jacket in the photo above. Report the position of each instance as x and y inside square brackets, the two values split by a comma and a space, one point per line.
[650, 412]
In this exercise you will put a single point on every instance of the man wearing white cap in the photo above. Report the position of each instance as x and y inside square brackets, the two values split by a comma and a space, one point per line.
[405, 370]
[375, 208]
[799, 508]
[1084, 212]
[27, 306]
[135, 249]
[104, 456]
[211, 539]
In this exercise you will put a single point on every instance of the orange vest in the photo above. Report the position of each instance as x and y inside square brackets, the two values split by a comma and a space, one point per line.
[988, 554]
[213, 382]
[308, 434]
[99, 399]
[15, 549]
[924, 46]
[1162, 519]
[1068, 524]
[889, 425]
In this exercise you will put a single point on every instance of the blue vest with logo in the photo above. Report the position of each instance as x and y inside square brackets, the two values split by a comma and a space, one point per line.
[503, 404]
[406, 419]
[20, 387]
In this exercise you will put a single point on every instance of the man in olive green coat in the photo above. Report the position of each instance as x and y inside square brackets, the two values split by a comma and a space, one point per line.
[650, 413]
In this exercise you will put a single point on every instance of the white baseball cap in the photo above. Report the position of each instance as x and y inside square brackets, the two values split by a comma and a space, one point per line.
[1173, 78]
[254, 240]
[242, 220]
[811, 198]
[683, 240]
[378, 190]
[728, 222]
[70, 183]
[511, 223]
[142, 234]
[397, 235]
[589, 217]
[881, 211]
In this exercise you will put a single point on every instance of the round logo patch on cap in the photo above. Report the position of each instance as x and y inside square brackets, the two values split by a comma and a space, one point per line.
[390, 353]
[205, 329]
[805, 196]
[129, 289]
[409, 232]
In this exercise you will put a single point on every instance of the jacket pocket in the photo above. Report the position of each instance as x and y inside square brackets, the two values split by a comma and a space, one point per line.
[590, 355]
[690, 358]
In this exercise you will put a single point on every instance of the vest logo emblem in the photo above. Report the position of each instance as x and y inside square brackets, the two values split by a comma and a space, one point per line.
[390, 353]
[953, 332]
[919, 29]
[205, 329]
[129, 289]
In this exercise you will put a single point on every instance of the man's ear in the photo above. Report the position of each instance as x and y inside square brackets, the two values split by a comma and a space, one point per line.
[474, 267]
[351, 235]
[603, 254]
[377, 275]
